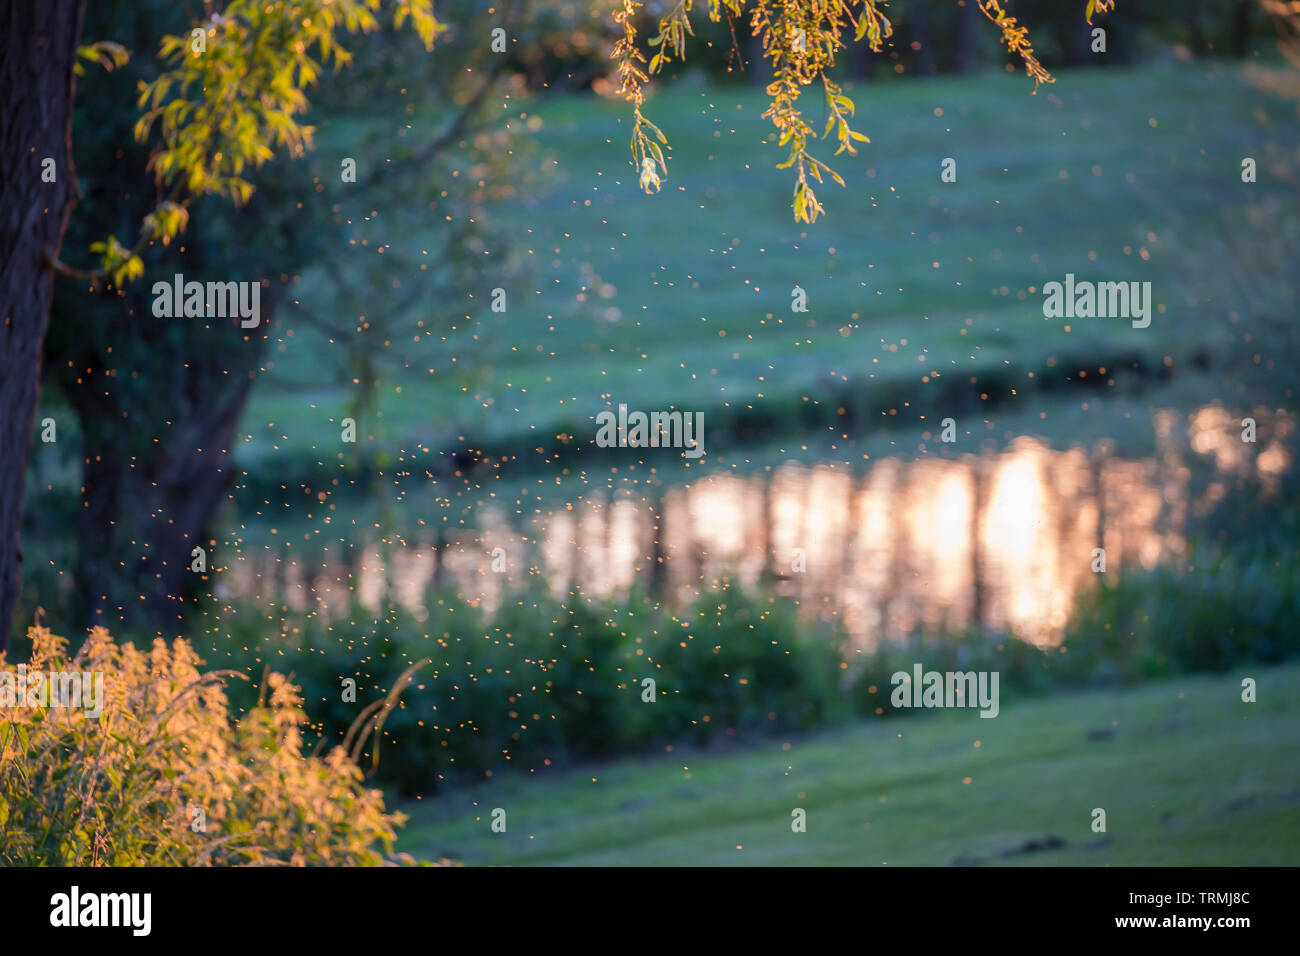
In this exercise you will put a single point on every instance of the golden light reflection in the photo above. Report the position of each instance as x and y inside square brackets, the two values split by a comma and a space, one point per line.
[1005, 539]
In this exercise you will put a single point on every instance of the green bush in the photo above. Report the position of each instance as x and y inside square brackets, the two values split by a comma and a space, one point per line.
[544, 681]
[1020, 666]
[1234, 608]
[739, 662]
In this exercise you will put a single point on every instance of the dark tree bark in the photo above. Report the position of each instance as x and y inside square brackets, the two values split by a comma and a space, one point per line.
[158, 403]
[38, 49]
[154, 474]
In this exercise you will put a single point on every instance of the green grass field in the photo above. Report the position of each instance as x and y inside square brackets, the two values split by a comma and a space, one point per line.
[914, 286]
[1186, 772]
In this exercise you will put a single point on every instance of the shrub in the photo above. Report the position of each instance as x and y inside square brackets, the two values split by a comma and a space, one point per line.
[543, 680]
[127, 788]
[1235, 608]
[1019, 665]
[547, 681]
[745, 663]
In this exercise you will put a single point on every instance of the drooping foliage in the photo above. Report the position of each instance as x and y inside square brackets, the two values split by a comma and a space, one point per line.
[801, 39]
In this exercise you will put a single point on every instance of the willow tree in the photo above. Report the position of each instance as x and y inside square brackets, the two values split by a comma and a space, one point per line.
[800, 40]
[228, 96]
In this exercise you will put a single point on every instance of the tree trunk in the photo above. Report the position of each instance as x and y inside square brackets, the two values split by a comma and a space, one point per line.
[158, 403]
[157, 399]
[143, 515]
[38, 49]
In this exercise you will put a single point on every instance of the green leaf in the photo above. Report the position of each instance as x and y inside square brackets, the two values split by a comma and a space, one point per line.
[106, 53]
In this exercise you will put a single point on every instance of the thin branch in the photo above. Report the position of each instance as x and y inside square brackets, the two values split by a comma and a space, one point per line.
[456, 129]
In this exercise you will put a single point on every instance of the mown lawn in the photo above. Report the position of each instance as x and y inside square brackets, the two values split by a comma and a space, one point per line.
[913, 285]
[1186, 772]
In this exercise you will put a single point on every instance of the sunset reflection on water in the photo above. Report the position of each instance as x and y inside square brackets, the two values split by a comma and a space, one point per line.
[1004, 538]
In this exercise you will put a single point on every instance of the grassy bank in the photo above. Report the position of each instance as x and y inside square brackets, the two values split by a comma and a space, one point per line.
[1187, 774]
[683, 299]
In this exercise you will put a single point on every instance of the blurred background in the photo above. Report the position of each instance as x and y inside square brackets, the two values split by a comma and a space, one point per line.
[827, 538]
